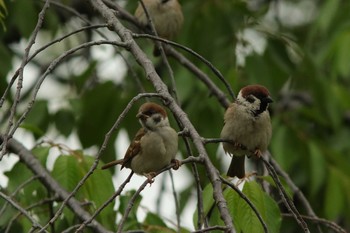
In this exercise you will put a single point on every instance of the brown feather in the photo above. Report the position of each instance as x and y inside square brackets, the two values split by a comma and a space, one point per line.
[133, 149]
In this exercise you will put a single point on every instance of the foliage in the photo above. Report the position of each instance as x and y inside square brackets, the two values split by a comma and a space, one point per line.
[298, 49]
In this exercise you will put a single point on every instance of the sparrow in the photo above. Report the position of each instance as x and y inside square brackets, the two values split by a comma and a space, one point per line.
[247, 124]
[166, 16]
[154, 146]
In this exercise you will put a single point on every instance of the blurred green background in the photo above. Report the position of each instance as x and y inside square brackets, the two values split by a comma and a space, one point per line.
[298, 49]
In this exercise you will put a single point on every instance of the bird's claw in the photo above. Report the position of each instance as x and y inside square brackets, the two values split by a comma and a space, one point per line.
[246, 177]
[150, 177]
[177, 163]
[258, 153]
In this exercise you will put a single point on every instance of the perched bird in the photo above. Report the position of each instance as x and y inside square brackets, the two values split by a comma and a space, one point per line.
[247, 123]
[166, 16]
[154, 146]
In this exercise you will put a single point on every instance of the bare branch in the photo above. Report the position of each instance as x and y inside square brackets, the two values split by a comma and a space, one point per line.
[35, 166]
[329, 224]
[20, 79]
[117, 193]
[100, 152]
[210, 229]
[288, 203]
[36, 225]
[161, 88]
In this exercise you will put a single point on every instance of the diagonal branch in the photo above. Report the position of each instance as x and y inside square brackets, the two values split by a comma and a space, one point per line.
[162, 89]
[44, 176]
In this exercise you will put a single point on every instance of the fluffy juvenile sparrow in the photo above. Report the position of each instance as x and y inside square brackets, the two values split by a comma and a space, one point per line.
[247, 123]
[166, 16]
[154, 146]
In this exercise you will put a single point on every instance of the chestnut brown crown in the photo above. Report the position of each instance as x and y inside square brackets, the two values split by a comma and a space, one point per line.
[255, 97]
[152, 116]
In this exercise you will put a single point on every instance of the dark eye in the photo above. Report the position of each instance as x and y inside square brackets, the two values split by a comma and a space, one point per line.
[250, 99]
[156, 119]
[149, 112]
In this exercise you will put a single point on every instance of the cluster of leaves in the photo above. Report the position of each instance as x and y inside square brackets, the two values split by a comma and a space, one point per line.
[305, 66]
[26, 189]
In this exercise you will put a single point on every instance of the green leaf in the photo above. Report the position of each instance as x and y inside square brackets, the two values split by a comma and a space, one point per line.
[65, 121]
[154, 224]
[132, 221]
[342, 46]
[334, 197]
[286, 187]
[26, 16]
[38, 118]
[208, 202]
[101, 107]
[70, 169]
[327, 13]
[244, 217]
[317, 167]
[33, 191]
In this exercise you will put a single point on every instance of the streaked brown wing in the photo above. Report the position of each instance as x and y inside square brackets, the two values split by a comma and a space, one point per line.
[134, 148]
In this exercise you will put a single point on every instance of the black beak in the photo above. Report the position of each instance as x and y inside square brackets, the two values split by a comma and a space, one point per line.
[268, 99]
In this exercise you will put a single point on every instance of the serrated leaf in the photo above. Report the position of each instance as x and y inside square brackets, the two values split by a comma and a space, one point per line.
[244, 217]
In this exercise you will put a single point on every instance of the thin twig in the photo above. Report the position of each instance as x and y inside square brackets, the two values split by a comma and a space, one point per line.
[19, 188]
[36, 225]
[210, 229]
[123, 14]
[299, 194]
[130, 205]
[246, 199]
[45, 177]
[323, 221]
[201, 58]
[100, 152]
[162, 53]
[117, 193]
[20, 79]
[51, 67]
[176, 201]
[162, 89]
[36, 52]
[283, 194]
[148, 181]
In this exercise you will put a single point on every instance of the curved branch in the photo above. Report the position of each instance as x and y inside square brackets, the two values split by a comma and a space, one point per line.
[121, 13]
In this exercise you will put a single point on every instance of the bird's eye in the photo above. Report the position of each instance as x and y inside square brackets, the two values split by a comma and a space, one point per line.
[156, 119]
[149, 112]
[250, 99]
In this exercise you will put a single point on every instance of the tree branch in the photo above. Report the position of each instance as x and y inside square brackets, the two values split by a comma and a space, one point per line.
[36, 225]
[34, 165]
[161, 88]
